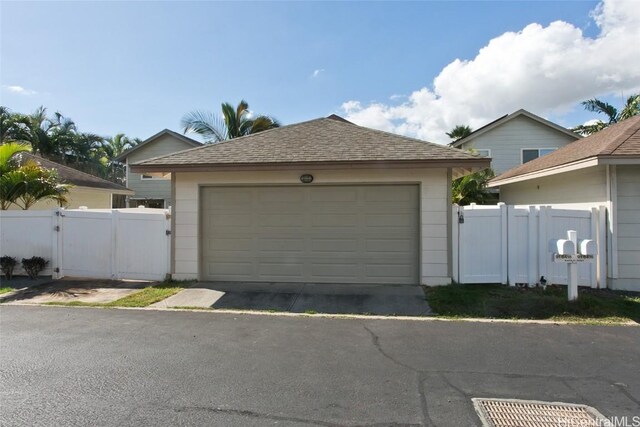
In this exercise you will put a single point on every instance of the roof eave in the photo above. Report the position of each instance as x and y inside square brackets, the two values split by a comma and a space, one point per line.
[567, 167]
[480, 163]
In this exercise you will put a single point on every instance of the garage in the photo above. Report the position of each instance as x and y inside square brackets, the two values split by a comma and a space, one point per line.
[322, 201]
[318, 234]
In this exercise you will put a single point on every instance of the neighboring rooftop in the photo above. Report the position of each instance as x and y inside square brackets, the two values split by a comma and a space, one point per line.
[507, 118]
[152, 138]
[324, 140]
[69, 175]
[618, 141]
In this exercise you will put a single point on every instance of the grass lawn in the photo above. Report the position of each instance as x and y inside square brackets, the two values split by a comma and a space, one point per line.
[505, 302]
[143, 298]
[5, 289]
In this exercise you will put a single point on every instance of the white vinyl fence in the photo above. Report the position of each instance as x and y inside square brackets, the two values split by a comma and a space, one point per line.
[97, 243]
[509, 244]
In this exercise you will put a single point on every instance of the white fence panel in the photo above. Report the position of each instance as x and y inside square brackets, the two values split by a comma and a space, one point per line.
[484, 261]
[493, 247]
[97, 243]
[86, 244]
[24, 234]
[558, 221]
[142, 246]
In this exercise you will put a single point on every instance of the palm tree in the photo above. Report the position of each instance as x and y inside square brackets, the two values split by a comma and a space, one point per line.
[235, 122]
[630, 109]
[27, 183]
[38, 184]
[7, 152]
[459, 132]
[13, 126]
[472, 188]
[118, 144]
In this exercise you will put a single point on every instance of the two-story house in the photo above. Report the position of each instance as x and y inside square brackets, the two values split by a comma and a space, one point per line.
[153, 191]
[515, 139]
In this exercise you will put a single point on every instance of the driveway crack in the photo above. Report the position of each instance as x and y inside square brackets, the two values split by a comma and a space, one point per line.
[376, 343]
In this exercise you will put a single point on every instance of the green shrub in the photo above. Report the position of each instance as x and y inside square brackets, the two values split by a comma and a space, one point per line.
[34, 265]
[7, 264]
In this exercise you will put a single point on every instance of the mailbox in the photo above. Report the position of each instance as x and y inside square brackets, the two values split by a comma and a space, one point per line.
[562, 247]
[587, 247]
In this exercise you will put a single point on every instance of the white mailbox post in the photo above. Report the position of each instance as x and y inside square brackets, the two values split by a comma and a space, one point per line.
[571, 251]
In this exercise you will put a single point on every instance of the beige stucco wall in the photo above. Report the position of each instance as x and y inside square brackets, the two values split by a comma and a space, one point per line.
[628, 227]
[507, 141]
[153, 188]
[78, 196]
[435, 208]
[588, 186]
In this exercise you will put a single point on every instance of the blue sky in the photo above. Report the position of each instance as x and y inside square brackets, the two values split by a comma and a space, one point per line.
[137, 67]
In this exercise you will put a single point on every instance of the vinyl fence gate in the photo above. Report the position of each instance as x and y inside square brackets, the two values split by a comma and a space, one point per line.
[509, 244]
[96, 243]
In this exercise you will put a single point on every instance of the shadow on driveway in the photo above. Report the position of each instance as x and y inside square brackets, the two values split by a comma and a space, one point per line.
[403, 300]
[75, 289]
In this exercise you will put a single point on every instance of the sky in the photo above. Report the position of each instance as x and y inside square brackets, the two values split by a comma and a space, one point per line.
[415, 68]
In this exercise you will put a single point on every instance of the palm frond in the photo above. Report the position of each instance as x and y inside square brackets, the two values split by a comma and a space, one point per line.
[597, 106]
[211, 127]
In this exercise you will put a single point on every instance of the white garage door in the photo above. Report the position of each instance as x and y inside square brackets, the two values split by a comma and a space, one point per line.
[318, 234]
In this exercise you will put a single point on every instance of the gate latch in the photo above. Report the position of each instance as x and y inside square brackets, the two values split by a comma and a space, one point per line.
[168, 232]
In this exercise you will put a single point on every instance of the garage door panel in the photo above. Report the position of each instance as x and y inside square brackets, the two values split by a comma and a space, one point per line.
[222, 245]
[282, 245]
[349, 234]
[341, 220]
[230, 268]
[394, 245]
[322, 244]
[281, 271]
[279, 220]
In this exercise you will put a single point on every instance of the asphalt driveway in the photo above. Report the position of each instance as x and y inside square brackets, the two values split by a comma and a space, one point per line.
[87, 366]
[407, 300]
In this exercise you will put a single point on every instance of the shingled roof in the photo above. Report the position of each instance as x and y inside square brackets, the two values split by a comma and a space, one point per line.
[73, 176]
[321, 141]
[619, 141]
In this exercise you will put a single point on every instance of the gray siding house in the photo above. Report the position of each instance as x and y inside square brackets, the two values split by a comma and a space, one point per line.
[602, 169]
[153, 191]
[515, 139]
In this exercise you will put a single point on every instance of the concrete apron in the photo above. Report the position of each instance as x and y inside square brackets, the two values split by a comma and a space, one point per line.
[404, 300]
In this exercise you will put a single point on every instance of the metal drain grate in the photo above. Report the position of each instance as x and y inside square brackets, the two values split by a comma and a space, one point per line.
[531, 413]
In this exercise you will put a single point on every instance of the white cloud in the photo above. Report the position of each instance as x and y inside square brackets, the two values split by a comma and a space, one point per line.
[19, 90]
[317, 72]
[542, 69]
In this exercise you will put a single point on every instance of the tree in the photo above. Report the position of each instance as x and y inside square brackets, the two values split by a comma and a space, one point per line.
[27, 183]
[459, 132]
[631, 108]
[38, 183]
[233, 123]
[471, 188]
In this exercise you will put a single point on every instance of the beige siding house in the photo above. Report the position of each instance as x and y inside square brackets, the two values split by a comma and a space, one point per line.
[515, 139]
[87, 190]
[324, 201]
[153, 191]
[600, 170]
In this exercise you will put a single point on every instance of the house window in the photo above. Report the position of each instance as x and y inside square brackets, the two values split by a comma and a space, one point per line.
[484, 152]
[145, 177]
[529, 154]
